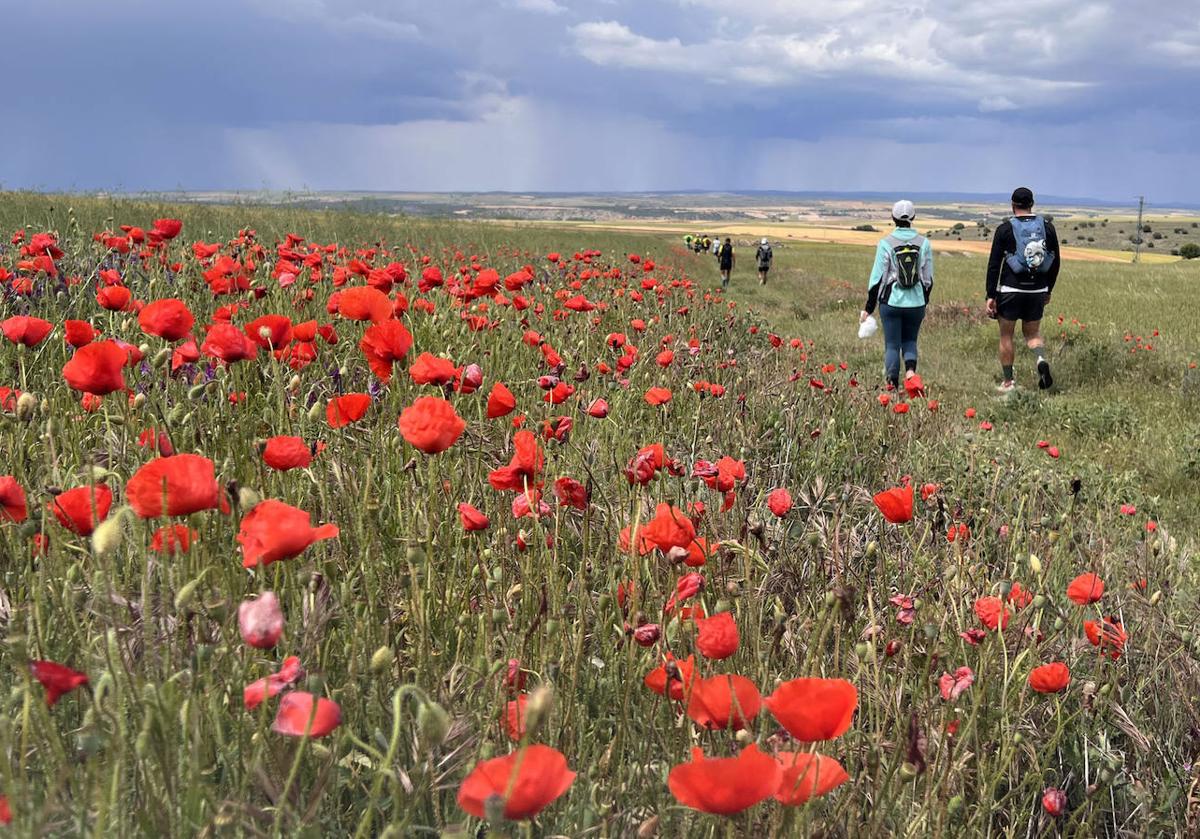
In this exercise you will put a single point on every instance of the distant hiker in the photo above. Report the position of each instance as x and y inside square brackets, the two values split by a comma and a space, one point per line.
[901, 282]
[1021, 273]
[716, 246]
[763, 257]
[726, 260]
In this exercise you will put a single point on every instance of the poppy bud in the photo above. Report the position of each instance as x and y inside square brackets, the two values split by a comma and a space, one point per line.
[316, 411]
[1054, 801]
[1058, 624]
[247, 499]
[185, 595]
[893, 647]
[954, 806]
[108, 534]
[1039, 601]
[647, 635]
[648, 828]
[382, 659]
[872, 549]
[1154, 598]
[1035, 564]
[860, 649]
[26, 406]
[538, 708]
[139, 401]
[261, 621]
[433, 723]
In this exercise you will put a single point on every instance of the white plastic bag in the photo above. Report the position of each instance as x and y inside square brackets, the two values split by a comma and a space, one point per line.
[868, 327]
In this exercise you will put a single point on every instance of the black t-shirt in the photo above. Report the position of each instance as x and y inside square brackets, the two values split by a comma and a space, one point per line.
[726, 255]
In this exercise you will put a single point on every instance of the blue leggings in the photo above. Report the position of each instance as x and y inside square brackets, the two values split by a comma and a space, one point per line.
[901, 325]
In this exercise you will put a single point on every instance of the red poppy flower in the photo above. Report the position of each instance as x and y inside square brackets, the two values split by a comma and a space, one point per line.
[271, 332]
[472, 519]
[79, 510]
[431, 424]
[514, 717]
[227, 343]
[992, 612]
[779, 502]
[97, 368]
[13, 505]
[523, 468]
[814, 709]
[598, 409]
[1050, 678]
[718, 636]
[952, 687]
[914, 387]
[670, 528]
[25, 330]
[896, 504]
[283, 453]
[723, 701]
[1085, 589]
[806, 776]
[1108, 635]
[658, 396]
[169, 319]
[300, 713]
[167, 228]
[5, 810]
[172, 538]
[673, 677]
[429, 369]
[78, 333]
[56, 678]
[571, 493]
[343, 410]
[274, 531]
[383, 344]
[501, 401]
[114, 298]
[262, 689]
[525, 781]
[725, 786]
[187, 481]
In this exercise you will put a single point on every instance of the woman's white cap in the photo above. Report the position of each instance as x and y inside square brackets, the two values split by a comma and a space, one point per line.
[904, 210]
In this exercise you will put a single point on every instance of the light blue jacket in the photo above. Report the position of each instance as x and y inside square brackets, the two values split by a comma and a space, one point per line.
[901, 298]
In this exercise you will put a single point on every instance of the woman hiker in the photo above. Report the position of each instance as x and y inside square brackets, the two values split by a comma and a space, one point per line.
[900, 284]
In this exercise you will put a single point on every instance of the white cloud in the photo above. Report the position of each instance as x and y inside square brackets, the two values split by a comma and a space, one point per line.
[548, 7]
[342, 20]
[994, 104]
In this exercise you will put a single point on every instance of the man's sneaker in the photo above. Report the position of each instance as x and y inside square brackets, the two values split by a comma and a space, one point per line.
[1006, 387]
[1045, 380]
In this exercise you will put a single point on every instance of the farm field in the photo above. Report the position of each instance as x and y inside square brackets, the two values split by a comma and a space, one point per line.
[317, 523]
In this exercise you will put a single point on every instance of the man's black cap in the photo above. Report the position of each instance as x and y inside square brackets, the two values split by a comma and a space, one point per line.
[1022, 197]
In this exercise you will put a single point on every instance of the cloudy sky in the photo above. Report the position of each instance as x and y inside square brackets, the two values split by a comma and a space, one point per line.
[1089, 98]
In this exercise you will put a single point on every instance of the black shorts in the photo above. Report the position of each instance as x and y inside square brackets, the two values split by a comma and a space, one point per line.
[1023, 306]
[762, 269]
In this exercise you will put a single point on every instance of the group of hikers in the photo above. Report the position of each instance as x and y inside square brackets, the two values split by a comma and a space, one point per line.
[726, 260]
[1022, 269]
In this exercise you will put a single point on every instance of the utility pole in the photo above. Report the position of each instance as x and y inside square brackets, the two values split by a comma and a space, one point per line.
[1137, 239]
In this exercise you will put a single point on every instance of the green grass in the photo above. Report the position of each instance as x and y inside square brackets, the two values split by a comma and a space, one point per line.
[405, 611]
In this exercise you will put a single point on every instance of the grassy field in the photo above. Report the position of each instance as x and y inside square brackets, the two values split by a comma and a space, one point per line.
[497, 678]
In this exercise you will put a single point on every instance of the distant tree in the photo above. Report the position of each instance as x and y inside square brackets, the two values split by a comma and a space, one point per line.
[1190, 250]
[958, 226]
[1157, 235]
[1146, 228]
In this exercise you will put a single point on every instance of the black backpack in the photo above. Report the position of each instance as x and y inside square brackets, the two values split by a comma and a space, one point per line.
[906, 257]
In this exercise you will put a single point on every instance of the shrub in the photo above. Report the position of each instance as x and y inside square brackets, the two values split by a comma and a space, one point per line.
[1189, 250]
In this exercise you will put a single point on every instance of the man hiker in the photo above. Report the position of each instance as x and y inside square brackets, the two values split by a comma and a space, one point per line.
[726, 261]
[1021, 273]
[900, 284]
[763, 257]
